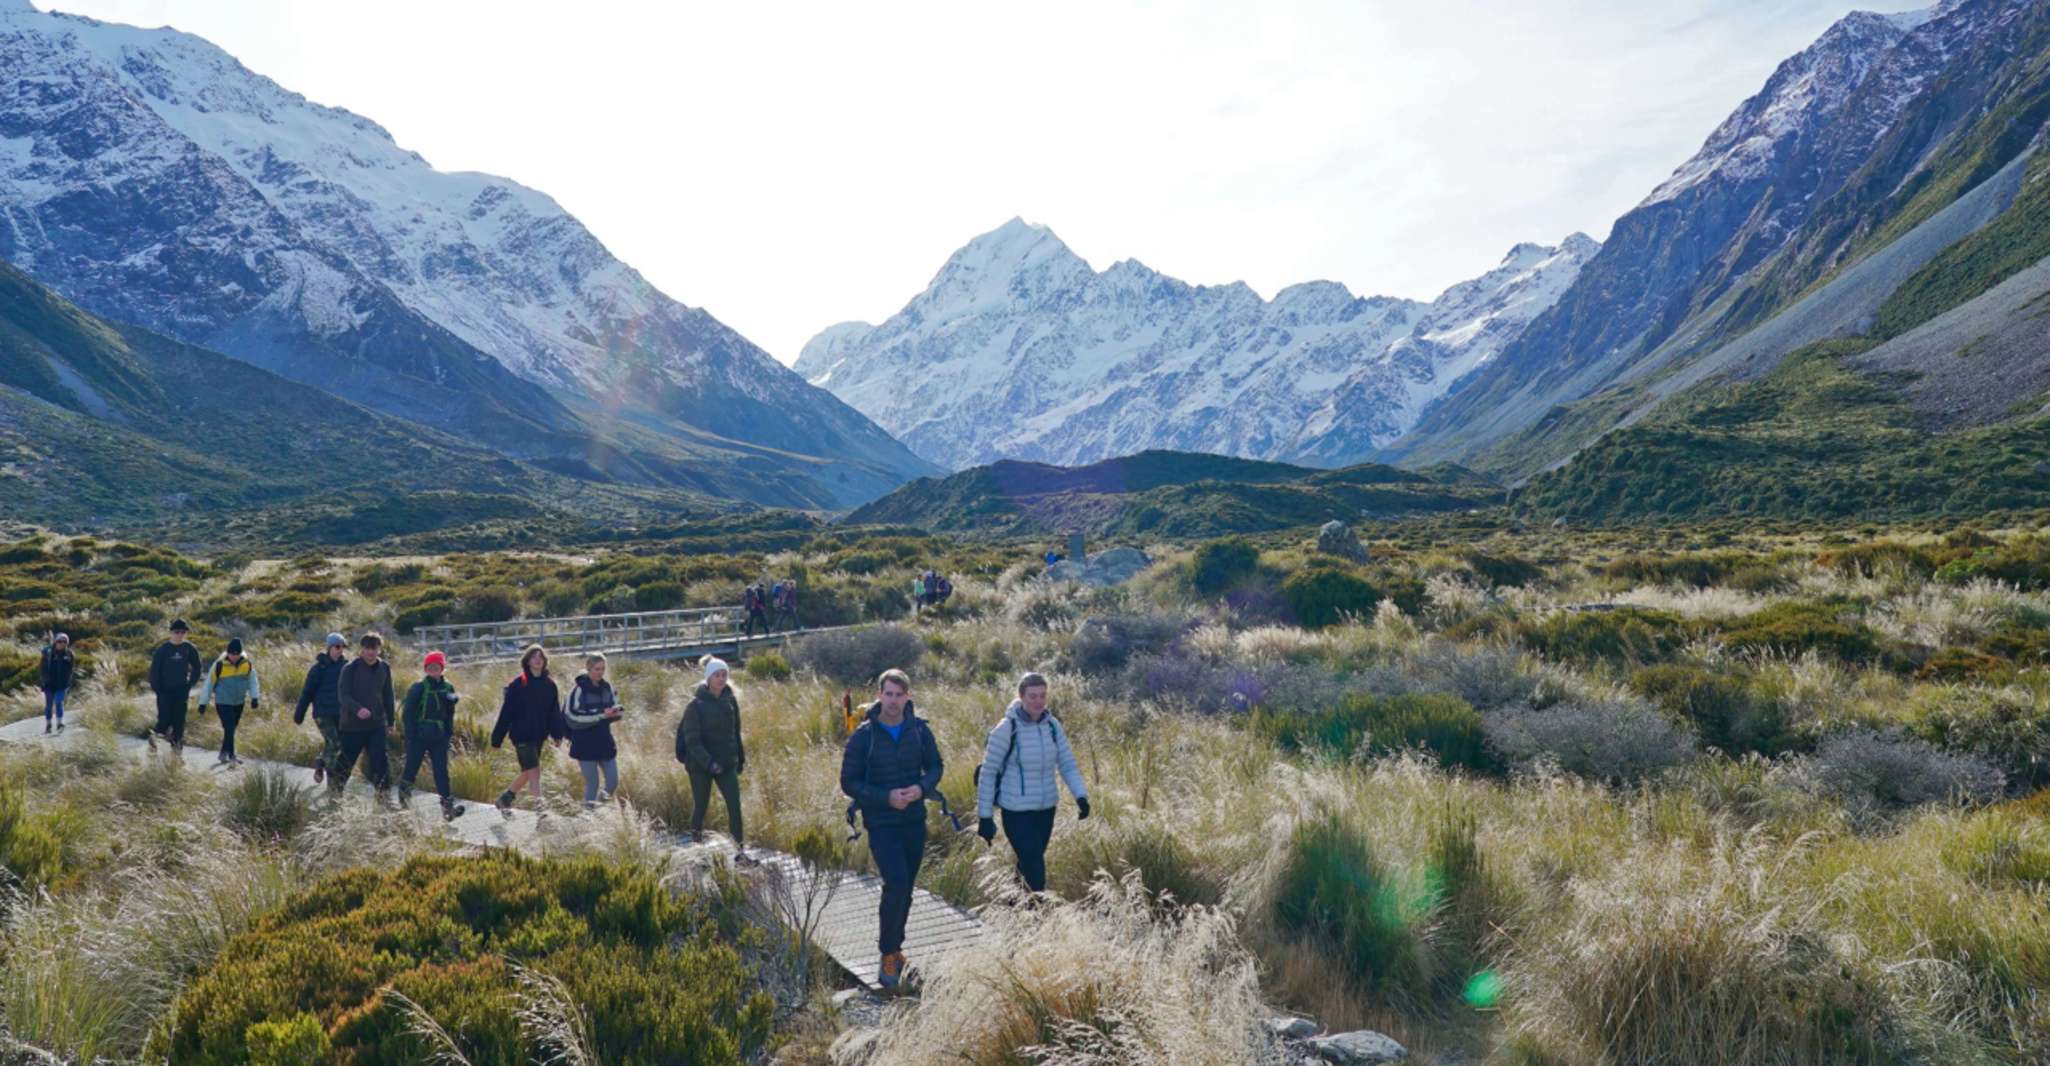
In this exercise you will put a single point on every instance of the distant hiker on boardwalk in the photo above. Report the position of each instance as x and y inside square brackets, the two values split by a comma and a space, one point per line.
[529, 714]
[229, 685]
[323, 692]
[757, 604]
[428, 719]
[786, 604]
[889, 767]
[173, 670]
[1024, 753]
[591, 710]
[53, 676]
[369, 707]
[709, 745]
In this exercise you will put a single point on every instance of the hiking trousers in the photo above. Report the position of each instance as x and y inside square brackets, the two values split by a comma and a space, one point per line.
[701, 782]
[376, 766]
[231, 719]
[434, 751]
[1029, 832]
[171, 708]
[53, 703]
[330, 742]
[593, 769]
[898, 851]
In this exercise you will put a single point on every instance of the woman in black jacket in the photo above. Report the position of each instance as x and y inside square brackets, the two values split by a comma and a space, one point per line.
[531, 714]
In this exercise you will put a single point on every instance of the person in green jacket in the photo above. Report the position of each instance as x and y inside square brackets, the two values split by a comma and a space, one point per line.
[428, 717]
[708, 744]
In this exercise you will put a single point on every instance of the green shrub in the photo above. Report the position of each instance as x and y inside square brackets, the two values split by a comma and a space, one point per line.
[856, 656]
[1793, 628]
[1222, 563]
[1634, 635]
[1326, 593]
[659, 596]
[1692, 569]
[1726, 714]
[650, 970]
[266, 805]
[29, 849]
[2010, 727]
[1166, 866]
[559, 598]
[295, 1041]
[1503, 571]
[1335, 896]
[490, 603]
[377, 578]
[768, 666]
[2023, 562]
[1444, 725]
[1877, 557]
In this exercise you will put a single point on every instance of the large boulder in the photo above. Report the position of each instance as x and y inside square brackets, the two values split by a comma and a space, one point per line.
[1337, 538]
[1114, 567]
[1361, 1048]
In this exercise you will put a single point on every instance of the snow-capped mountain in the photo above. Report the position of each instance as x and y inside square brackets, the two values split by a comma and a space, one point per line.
[149, 176]
[1841, 136]
[1019, 349]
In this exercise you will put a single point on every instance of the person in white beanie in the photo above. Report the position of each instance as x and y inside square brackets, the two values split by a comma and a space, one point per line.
[708, 744]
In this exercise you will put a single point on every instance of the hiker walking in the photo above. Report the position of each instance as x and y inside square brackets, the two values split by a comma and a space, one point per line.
[428, 720]
[323, 693]
[591, 710]
[756, 603]
[918, 593]
[173, 670]
[889, 767]
[528, 713]
[709, 745]
[786, 605]
[1024, 753]
[53, 676]
[229, 684]
[369, 707]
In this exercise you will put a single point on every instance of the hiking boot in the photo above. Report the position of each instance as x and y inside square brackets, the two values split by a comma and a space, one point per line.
[891, 974]
[222, 760]
[60, 725]
[505, 803]
[46, 727]
[319, 774]
[151, 736]
[406, 796]
[451, 811]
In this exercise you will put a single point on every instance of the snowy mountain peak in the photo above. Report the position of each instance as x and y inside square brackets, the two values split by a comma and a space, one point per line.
[1019, 350]
[1580, 244]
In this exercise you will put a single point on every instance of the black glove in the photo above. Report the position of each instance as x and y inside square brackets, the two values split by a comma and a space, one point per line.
[986, 828]
[1082, 805]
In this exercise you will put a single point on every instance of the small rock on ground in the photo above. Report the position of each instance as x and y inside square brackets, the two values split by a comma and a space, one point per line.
[1362, 1048]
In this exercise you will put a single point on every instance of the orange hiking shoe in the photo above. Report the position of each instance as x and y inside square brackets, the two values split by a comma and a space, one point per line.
[892, 971]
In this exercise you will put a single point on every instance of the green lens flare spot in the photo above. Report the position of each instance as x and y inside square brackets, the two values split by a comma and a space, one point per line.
[1483, 990]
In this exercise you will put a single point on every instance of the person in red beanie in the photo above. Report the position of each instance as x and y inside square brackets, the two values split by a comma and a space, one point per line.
[429, 719]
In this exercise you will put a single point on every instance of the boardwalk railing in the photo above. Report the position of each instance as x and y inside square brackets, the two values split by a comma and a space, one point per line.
[634, 633]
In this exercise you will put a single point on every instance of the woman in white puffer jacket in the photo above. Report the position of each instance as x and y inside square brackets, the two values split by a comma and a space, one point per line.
[1024, 753]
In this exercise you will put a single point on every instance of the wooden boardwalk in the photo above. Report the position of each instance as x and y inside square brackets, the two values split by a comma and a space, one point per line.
[842, 905]
[676, 634]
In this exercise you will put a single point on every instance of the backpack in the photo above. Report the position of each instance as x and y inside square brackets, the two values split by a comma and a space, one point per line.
[1010, 750]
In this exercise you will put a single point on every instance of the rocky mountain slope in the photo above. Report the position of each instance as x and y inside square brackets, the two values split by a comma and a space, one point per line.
[1019, 349]
[1891, 139]
[150, 177]
[107, 427]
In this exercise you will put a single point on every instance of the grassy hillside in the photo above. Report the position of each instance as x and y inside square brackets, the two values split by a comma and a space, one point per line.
[1168, 494]
[1813, 440]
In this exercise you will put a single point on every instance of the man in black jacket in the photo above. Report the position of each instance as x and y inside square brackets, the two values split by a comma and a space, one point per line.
[173, 670]
[54, 678]
[889, 767]
[369, 709]
[323, 692]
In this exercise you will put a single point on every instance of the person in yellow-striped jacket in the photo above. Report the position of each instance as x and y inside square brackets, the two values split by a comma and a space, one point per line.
[230, 684]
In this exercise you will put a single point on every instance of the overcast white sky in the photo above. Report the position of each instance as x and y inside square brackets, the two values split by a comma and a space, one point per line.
[792, 165]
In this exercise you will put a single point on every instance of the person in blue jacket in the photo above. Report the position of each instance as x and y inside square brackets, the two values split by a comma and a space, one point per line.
[890, 766]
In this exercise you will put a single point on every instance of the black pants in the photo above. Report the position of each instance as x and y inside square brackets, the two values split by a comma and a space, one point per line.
[757, 615]
[433, 749]
[787, 618]
[898, 850]
[376, 768]
[701, 797]
[231, 717]
[171, 708]
[1029, 832]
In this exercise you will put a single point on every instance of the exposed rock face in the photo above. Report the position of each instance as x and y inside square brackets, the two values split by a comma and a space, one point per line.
[1337, 538]
[1362, 1048]
[1114, 567]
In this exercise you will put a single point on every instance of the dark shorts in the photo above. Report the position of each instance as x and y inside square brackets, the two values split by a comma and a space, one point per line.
[529, 755]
